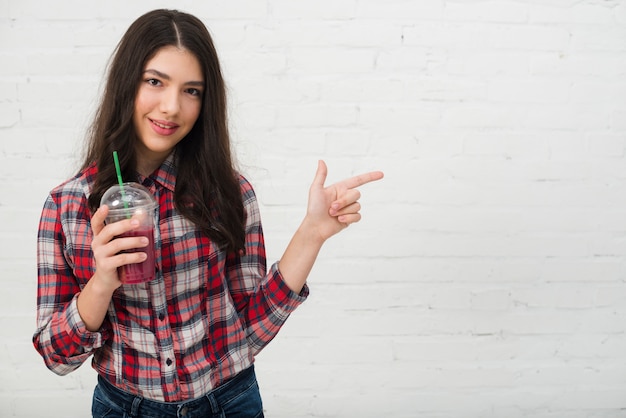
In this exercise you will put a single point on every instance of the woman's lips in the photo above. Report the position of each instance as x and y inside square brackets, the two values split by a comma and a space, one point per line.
[163, 127]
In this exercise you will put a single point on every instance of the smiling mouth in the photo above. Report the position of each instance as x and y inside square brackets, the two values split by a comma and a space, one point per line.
[164, 125]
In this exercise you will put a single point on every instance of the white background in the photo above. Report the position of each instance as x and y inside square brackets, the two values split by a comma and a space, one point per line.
[487, 278]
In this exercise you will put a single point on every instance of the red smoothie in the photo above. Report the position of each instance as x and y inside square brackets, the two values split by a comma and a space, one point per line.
[139, 272]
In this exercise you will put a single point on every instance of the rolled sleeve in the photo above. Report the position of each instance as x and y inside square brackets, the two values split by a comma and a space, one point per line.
[78, 332]
[280, 295]
[65, 343]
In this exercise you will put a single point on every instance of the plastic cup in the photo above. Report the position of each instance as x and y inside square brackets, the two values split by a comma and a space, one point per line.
[134, 201]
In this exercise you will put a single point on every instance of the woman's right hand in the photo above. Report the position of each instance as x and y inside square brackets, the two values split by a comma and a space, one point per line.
[107, 247]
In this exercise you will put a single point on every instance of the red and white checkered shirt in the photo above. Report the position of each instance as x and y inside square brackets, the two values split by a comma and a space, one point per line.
[197, 324]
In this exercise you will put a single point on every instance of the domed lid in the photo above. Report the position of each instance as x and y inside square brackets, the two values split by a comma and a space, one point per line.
[131, 195]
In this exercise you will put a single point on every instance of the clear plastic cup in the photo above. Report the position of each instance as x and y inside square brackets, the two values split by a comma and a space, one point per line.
[138, 203]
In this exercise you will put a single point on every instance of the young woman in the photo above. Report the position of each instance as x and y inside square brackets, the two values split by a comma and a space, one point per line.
[184, 343]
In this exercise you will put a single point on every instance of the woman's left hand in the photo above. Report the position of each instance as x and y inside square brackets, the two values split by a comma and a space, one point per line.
[333, 208]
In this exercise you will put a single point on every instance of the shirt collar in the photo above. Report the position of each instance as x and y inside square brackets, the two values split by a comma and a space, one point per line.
[165, 175]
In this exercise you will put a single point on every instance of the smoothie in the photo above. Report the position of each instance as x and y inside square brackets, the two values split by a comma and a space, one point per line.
[139, 272]
[134, 200]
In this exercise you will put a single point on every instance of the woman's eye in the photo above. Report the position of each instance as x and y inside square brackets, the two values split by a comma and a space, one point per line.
[194, 92]
[153, 82]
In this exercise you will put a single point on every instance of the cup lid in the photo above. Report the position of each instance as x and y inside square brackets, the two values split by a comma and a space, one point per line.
[135, 196]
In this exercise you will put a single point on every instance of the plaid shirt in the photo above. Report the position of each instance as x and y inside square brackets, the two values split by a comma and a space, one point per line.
[197, 324]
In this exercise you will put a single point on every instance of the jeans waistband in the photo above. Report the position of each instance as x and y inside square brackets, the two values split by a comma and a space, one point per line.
[138, 406]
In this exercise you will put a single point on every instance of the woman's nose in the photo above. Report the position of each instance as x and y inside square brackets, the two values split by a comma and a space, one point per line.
[170, 102]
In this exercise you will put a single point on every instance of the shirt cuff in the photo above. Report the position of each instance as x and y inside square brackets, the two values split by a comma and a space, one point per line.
[78, 332]
[281, 294]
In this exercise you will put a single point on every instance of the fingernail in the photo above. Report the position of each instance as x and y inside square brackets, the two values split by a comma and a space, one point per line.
[134, 222]
[144, 241]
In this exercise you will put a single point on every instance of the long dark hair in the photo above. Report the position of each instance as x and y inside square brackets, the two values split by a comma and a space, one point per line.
[207, 185]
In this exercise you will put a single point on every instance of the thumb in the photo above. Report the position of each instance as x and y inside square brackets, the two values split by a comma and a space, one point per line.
[320, 175]
[97, 220]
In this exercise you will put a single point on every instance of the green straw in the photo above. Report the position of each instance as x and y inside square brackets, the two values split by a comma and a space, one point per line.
[118, 170]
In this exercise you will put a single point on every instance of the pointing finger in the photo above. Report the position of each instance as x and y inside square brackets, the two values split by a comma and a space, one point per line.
[362, 179]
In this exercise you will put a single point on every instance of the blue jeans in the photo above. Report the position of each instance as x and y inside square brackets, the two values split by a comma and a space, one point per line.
[238, 397]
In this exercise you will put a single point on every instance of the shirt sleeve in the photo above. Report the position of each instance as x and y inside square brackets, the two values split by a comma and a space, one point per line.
[262, 299]
[61, 337]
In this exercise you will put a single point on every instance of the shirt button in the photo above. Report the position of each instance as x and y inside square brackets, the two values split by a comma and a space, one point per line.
[168, 361]
[161, 316]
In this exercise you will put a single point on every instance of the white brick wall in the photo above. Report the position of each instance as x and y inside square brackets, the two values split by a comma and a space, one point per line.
[487, 278]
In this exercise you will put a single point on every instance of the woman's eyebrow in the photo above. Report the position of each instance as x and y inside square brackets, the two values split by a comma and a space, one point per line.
[167, 77]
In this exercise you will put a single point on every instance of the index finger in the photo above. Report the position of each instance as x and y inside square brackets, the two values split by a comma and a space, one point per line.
[362, 179]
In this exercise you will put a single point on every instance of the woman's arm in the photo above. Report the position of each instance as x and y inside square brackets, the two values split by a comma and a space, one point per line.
[93, 302]
[70, 316]
[263, 300]
[330, 210]
[61, 337]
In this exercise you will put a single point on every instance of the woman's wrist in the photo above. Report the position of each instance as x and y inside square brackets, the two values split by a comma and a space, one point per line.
[309, 232]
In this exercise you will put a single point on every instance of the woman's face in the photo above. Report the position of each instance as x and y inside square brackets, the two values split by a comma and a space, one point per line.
[167, 105]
